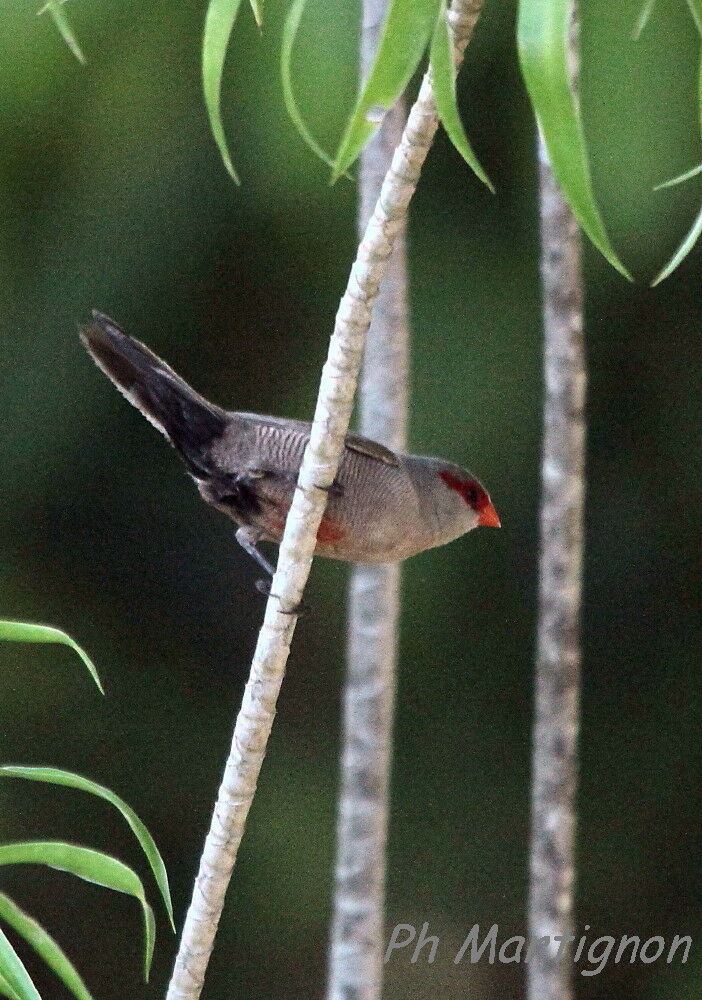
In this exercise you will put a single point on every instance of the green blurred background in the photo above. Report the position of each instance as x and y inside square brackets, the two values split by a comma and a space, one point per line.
[112, 195]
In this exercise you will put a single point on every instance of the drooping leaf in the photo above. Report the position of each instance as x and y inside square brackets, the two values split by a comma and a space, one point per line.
[542, 36]
[61, 21]
[14, 974]
[6, 990]
[44, 945]
[257, 8]
[290, 29]
[91, 866]
[219, 22]
[682, 251]
[406, 32]
[67, 779]
[696, 11]
[28, 632]
[443, 71]
[643, 19]
[688, 175]
[695, 230]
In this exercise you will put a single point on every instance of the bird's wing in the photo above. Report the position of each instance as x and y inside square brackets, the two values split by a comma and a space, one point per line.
[364, 446]
[354, 442]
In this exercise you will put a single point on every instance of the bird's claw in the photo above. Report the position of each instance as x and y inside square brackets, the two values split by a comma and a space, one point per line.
[264, 587]
[335, 490]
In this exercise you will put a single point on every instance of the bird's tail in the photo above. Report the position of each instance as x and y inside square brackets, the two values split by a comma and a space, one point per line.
[189, 422]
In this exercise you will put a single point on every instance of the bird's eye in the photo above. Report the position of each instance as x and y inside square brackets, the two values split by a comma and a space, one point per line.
[472, 493]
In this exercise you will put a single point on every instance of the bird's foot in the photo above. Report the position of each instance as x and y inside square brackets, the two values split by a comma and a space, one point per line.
[264, 587]
[335, 490]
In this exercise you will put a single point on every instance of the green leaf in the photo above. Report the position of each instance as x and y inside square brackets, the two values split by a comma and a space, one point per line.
[443, 71]
[696, 229]
[290, 29]
[688, 175]
[6, 990]
[14, 974]
[696, 11]
[67, 779]
[542, 33]
[61, 22]
[91, 866]
[44, 945]
[27, 632]
[643, 19]
[405, 35]
[219, 22]
[257, 8]
[682, 251]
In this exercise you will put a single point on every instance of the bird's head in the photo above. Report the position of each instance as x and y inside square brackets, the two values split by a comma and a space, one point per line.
[473, 494]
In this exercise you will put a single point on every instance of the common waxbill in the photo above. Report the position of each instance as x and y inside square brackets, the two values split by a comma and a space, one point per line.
[382, 507]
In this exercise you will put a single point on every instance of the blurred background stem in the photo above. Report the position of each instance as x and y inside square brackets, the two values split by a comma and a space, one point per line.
[356, 946]
[557, 694]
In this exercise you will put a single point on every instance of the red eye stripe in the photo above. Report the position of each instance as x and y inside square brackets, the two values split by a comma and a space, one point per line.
[475, 496]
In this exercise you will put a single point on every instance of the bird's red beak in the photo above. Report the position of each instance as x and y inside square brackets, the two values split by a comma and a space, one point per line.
[488, 516]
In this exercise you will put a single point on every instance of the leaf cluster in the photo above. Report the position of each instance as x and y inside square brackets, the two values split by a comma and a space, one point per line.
[83, 862]
[411, 28]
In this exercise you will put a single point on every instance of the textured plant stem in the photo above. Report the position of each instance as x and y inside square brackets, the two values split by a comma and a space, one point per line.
[319, 465]
[356, 945]
[549, 974]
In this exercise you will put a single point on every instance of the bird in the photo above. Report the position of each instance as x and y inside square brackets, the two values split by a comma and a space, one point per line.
[382, 507]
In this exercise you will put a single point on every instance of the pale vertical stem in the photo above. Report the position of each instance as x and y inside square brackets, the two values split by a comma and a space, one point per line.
[356, 946]
[557, 701]
[319, 465]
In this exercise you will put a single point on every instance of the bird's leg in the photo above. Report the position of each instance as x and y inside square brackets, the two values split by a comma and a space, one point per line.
[248, 538]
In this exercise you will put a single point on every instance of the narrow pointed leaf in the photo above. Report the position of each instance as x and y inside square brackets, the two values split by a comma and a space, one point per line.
[682, 251]
[696, 229]
[67, 779]
[44, 945]
[6, 990]
[91, 866]
[406, 32]
[257, 8]
[696, 11]
[542, 36]
[443, 71]
[61, 21]
[290, 29]
[27, 632]
[688, 175]
[14, 973]
[219, 22]
[643, 19]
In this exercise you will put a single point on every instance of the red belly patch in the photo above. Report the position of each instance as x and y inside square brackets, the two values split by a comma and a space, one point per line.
[328, 533]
